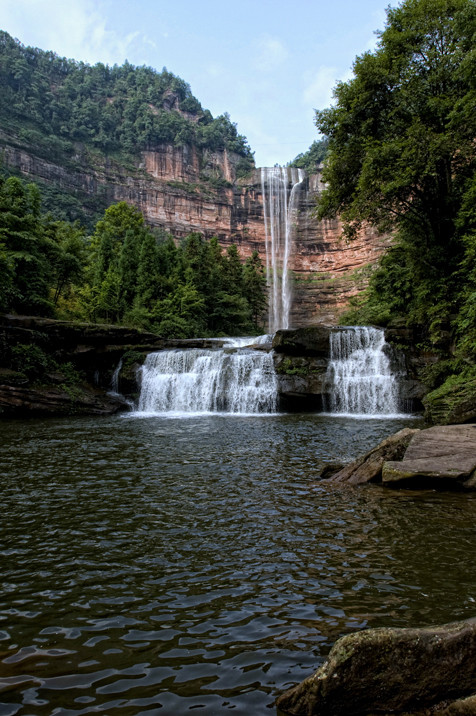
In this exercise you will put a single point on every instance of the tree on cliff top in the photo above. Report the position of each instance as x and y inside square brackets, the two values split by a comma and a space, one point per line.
[402, 151]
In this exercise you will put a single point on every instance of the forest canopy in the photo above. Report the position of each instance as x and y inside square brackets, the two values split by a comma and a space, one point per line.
[314, 156]
[114, 109]
[126, 273]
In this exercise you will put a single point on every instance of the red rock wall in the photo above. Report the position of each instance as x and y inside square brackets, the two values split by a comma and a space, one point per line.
[171, 189]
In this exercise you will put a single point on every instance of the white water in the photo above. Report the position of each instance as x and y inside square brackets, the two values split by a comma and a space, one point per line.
[115, 378]
[359, 377]
[234, 379]
[280, 217]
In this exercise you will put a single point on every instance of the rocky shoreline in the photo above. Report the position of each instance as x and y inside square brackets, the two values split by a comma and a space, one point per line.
[412, 672]
[439, 457]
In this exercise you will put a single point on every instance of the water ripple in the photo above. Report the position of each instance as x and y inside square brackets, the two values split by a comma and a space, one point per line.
[167, 565]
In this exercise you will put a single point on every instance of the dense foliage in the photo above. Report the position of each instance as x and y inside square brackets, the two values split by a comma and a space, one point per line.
[125, 273]
[314, 156]
[56, 101]
[402, 157]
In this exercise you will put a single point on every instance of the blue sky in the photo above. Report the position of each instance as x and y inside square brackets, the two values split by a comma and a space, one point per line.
[268, 63]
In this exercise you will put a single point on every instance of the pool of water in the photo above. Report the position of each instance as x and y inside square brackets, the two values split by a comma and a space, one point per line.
[167, 565]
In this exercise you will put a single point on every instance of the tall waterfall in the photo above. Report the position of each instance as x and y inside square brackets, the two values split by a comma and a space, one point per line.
[359, 379]
[280, 188]
[233, 379]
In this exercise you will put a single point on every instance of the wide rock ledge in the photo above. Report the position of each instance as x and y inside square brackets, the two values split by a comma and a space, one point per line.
[441, 453]
[391, 670]
[443, 456]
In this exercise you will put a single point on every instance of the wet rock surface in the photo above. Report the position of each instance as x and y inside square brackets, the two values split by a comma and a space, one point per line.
[78, 361]
[399, 671]
[310, 341]
[301, 357]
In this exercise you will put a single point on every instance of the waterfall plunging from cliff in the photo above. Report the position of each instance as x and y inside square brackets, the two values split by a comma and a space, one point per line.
[359, 378]
[233, 379]
[280, 188]
[115, 378]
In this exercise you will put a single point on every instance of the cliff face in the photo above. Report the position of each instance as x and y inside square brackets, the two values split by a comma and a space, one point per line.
[328, 270]
[183, 189]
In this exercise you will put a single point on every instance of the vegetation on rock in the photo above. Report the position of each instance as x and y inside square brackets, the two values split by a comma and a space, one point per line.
[75, 115]
[314, 156]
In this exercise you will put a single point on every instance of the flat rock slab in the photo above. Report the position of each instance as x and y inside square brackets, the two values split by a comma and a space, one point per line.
[441, 453]
[368, 467]
[399, 671]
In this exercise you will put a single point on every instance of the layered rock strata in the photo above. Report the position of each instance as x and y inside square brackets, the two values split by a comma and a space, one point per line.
[440, 457]
[184, 189]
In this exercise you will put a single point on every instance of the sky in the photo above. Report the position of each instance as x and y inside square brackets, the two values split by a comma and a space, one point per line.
[268, 63]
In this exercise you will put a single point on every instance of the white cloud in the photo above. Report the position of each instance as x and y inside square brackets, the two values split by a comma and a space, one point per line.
[271, 53]
[77, 29]
[319, 90]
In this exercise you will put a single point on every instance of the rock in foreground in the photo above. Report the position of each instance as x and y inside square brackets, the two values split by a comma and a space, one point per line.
[368, 467]
[391, 671]
[444, 453]
[443, 456]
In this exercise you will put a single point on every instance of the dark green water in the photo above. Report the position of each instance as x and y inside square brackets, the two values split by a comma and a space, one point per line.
[167, 565]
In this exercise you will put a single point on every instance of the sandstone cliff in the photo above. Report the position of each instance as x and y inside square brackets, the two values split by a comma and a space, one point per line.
[184, 189]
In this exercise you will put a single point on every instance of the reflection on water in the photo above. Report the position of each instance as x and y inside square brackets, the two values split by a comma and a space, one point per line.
[162, 565]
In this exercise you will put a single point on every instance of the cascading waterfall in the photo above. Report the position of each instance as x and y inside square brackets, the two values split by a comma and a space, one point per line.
[359, 379]
[233, 379]
[280, 215]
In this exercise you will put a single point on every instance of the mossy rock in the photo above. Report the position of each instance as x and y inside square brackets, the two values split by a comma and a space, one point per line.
[452, 402]
[390, 671]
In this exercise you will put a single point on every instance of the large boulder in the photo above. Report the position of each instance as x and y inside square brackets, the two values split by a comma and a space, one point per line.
[392, 671]
[311, 341]
[301, 381]
[368, 467]
[443, 455]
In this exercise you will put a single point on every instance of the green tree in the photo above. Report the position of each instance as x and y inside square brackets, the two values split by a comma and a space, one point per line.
[314, 156]
[233, 270]
[128, 267]
[108, 305]
[6, 284]
[181, 314]
[119, 221]
[231, 314]
[148, 276]
[254, 288]
[402, 151]
[68, 256]
[26, 248]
